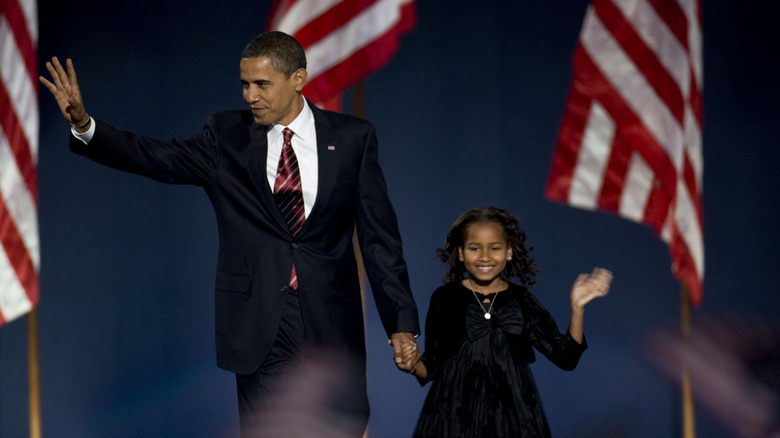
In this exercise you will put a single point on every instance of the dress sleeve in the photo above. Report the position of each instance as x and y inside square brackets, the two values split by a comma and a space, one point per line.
[561, 349]
[442, 333]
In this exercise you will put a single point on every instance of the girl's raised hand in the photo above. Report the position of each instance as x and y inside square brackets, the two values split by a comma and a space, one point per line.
[590, 286]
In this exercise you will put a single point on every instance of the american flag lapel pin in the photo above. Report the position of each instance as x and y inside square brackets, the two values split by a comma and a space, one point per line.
[331, 148]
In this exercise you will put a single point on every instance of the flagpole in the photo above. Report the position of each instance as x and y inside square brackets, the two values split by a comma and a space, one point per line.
[689, 421]
[358, 100]
[33, 374]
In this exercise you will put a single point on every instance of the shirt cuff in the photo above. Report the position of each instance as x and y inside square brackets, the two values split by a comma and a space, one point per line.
[85, 137]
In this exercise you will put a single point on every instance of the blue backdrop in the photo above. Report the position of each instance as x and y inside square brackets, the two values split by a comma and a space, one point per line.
[467, 113]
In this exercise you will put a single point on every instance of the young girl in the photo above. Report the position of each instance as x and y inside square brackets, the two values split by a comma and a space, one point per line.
[480, 330]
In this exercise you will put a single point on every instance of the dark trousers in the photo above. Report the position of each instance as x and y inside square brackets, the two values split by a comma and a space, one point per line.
[290, 344]
[324, 397]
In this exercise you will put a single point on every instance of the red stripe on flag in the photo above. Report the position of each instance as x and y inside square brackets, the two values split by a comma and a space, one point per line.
[615, 176]
[694, 101]
[657, 208]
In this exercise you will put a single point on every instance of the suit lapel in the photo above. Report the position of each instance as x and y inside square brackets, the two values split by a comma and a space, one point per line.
[255, 158]
[327, 163]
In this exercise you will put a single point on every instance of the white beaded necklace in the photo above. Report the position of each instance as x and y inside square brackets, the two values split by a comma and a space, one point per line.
[487, 314]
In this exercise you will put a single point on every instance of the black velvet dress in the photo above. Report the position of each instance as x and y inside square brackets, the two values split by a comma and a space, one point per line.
[482, 384]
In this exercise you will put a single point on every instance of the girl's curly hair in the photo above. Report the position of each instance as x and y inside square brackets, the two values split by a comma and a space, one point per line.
[521, 266]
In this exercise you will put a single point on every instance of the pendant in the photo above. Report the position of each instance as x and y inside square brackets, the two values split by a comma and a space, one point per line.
[487, 315]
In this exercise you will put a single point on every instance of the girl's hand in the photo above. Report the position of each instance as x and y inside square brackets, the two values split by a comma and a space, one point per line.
[405, 351]
[408, 348]
[587, 287]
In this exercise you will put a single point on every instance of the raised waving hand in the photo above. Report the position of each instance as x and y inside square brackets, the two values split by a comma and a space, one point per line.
[65, 88]
[586, 288]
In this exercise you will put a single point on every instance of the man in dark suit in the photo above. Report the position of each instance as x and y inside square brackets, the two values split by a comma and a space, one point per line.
[287, 278]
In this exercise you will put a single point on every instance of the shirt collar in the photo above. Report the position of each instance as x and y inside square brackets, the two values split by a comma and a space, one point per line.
[302, 126]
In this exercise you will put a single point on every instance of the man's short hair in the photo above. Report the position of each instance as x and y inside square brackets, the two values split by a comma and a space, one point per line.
[285, 52]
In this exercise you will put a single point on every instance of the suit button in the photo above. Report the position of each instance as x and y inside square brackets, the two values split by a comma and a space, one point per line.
[294, 245]
[284, 288]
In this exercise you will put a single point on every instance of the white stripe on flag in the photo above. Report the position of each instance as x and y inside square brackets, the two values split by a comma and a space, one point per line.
[636, 189]
[693, 145]
[303, 12]
[694, 39]
[592, 160]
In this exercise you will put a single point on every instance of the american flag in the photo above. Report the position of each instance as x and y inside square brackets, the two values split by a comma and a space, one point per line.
[344, 40]
[630, 139]
[20, 254]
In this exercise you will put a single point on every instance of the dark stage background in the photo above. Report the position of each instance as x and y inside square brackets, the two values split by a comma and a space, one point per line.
[467, 114]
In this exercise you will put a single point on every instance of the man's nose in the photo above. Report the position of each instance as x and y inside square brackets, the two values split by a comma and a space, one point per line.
[252, 94]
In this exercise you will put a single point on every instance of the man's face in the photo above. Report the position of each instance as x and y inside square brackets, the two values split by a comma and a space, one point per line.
[272, 96]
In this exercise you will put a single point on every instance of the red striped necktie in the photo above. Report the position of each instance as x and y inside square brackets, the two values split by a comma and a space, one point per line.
[288, 192]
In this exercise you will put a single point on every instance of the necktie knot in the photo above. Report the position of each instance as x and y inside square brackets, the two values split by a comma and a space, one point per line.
[287, 133]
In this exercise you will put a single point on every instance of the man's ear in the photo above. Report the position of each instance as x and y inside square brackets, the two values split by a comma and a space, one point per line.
[300, 77]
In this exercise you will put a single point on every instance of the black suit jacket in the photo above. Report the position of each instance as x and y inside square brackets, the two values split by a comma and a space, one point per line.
[256, 251]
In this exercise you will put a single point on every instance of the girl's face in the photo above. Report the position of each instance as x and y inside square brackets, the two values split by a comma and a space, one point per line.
[485, 253]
